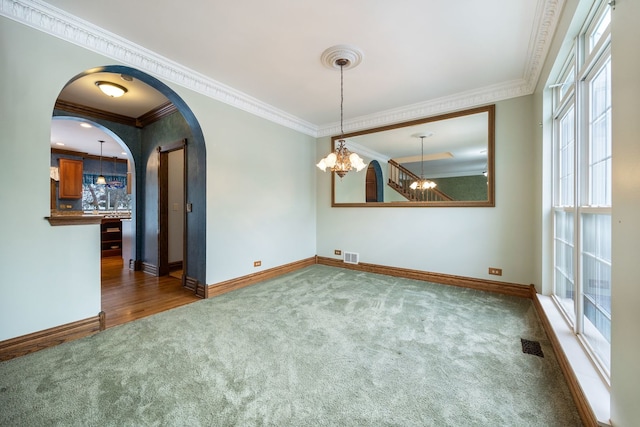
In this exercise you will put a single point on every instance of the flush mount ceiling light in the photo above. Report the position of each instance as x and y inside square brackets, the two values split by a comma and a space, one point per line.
[341, 160]
[111, 89]
[101, 180]
[422, 184]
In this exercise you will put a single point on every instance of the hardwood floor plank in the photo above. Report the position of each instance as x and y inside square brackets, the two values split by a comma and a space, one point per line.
[130, 295]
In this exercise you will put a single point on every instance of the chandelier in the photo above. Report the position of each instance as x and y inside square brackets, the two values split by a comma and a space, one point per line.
[422, 184]
[341, 160]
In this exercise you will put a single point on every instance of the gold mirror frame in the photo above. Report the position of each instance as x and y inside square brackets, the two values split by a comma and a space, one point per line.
[490, 139]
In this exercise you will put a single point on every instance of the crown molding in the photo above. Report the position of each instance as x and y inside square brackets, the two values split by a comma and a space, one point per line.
[546, 21]
[53, 21]
[449, 104]
[60, 24]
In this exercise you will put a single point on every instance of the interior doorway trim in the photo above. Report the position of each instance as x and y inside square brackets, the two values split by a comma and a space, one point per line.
[163, 208]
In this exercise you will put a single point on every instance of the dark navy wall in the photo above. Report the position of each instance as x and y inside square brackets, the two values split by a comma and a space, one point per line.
[169, 129]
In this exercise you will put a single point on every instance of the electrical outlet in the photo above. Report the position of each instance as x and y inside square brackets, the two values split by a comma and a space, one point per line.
[495, 271]
[337, 252]
[257, 263]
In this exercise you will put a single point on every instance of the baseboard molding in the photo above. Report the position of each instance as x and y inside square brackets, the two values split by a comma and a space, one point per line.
[135, 265]
[195, 286]
[241, 282]
[580, 399]
[176, 265]
[19, 346]
[503, 288]
[150, 268]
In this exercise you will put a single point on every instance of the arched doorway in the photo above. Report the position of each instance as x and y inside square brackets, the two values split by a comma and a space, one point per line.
[143, 135]
[374, 183]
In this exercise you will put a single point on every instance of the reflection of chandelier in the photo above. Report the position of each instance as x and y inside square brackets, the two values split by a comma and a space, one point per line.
[422, 184]
[341, 160]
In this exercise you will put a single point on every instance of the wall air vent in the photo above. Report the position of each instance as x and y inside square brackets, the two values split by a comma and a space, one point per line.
[351, 257]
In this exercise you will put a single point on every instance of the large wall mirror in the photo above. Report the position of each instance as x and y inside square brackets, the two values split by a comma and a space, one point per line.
[445, 160]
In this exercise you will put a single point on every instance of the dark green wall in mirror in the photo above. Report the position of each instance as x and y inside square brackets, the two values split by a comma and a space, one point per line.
[456, 151]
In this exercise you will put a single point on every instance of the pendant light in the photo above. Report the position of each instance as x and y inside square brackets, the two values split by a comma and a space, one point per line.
[101, 179]
[341, 160]
[422, 184]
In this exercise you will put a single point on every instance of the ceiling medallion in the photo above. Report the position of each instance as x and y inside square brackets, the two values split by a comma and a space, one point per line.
[351, 54]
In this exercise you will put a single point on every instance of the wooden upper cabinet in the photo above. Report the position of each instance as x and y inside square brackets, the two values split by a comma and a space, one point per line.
[70, 186]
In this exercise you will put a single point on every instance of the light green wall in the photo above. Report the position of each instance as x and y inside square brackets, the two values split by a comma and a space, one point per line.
[260, 193]
[51, 275]
[459, 241]
[260, 190]
[262, 204]
[625, 341]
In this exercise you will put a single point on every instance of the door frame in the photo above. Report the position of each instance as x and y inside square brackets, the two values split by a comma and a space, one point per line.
[163, 208]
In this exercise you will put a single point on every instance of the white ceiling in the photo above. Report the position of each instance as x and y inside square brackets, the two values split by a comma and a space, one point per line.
[68, 134]
[421, 57]
[415, 51]
[139, 99]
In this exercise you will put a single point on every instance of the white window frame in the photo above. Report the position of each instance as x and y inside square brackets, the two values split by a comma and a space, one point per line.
[583, 61]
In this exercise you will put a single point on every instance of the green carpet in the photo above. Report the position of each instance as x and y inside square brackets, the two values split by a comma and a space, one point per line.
[321, 346]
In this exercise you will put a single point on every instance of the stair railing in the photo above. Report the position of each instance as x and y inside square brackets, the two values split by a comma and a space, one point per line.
[400, 179]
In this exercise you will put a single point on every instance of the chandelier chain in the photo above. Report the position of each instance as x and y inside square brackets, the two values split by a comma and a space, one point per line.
[341, 98]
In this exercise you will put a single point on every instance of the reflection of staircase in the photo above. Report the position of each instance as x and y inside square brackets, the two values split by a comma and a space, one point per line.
[400, 178]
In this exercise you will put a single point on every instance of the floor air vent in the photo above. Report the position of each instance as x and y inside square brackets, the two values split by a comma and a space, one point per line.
[531, 347]
[351, 257]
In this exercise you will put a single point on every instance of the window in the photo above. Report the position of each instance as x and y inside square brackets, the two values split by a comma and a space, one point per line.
[582, 186]
[110, 197]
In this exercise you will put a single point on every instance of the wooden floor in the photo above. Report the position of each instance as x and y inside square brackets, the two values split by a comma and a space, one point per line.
[129, 295]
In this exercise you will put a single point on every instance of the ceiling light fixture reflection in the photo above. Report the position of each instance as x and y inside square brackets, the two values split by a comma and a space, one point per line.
[422, 184]
[111, 89]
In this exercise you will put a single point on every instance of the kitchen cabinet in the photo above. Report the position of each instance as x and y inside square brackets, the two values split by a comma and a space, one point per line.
[70, 186]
